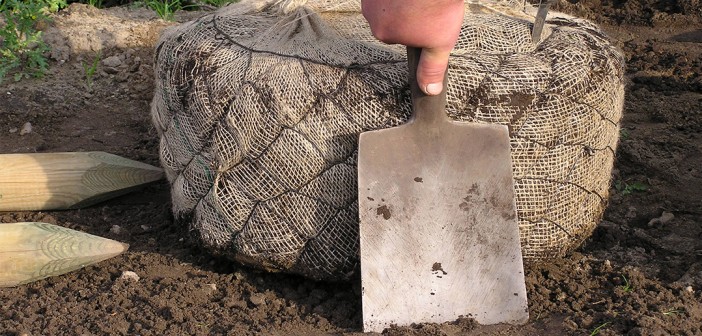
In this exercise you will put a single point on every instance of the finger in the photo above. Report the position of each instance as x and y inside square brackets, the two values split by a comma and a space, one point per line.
[431, 69]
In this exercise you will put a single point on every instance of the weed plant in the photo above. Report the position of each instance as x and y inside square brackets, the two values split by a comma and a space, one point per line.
[217, 3]
[95, 3]
[626, 287]
[629, 188]
[597, 330]
[164, 8]
[22, 49]
[90, 70]
[21, 46]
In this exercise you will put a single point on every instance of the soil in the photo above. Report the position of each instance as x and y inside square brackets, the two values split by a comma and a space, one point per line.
[639, 274]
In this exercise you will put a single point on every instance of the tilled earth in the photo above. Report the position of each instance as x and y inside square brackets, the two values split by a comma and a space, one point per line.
[639, 274]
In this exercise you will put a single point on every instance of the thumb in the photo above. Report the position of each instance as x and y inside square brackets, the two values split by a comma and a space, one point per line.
[431, 69]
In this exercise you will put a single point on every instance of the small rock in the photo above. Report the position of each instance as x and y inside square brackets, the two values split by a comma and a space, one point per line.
[129, 275]
[145, 227]
[570, 324]
[116, 229]
[26, 128]
[110, 70]
[231, 302]
[13, 130]
[112, 62]
[689, 289]
[665, 218]
[213, 287]
[257, 299]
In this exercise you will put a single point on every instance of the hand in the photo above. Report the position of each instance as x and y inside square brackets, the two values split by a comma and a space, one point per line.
[432, 25]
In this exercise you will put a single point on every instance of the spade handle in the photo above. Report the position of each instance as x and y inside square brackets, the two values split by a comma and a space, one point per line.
[426, 110]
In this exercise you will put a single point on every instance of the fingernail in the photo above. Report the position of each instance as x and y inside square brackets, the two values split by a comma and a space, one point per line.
[433, 89]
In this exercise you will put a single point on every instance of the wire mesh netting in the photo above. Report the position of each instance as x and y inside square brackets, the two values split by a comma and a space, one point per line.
[259, 107]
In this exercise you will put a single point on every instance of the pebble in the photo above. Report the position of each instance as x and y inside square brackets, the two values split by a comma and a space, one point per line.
[112, 62]
[26, 128]
[665, 218]
[14, 130]
[129, 275]
[116, 229]
[257, 299]
[212, 286]
[689, 289]
[570, 324]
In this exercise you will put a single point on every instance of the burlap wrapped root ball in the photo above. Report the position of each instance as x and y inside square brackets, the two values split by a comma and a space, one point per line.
[259, 107]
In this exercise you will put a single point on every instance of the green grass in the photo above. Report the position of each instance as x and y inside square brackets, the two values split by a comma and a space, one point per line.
[670, 312]
[597, 330]
[626, 287]
[95, 3]
[22, 49]
[21, 46]
[629, 188]
[624, 133]
[166, 8]
[90, 70]
[218, 3]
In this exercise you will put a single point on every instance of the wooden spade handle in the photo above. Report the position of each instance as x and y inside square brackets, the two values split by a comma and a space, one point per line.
[426, 110]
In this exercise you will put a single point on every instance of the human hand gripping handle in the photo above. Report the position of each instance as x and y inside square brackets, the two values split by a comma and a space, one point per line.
[432, 25]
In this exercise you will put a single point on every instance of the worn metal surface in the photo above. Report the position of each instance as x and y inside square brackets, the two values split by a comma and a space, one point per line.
[439, 235]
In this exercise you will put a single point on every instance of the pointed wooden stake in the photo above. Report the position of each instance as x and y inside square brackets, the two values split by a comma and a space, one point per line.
[57, 181]
[33, 251]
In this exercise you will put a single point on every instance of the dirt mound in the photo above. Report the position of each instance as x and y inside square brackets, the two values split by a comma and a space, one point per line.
[637, 12]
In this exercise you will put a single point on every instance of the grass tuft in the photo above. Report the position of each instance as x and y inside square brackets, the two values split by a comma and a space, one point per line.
[626, 287]
[599, 328]
[90, 70]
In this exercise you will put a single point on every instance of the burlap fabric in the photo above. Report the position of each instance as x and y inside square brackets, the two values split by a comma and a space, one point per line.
[259, 106]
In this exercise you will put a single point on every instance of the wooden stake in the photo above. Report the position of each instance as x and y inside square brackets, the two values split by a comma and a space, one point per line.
[58, 181]
[33, 251]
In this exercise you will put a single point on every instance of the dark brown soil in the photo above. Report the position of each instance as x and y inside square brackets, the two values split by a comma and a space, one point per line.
[635, 276]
